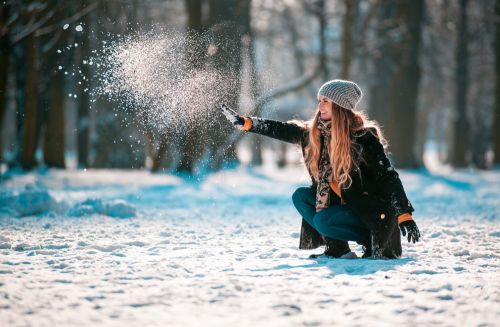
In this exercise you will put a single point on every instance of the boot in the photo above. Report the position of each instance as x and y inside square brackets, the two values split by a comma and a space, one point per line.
[333, 248]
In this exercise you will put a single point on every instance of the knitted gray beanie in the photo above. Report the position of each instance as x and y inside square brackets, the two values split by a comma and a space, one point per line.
[346, 94]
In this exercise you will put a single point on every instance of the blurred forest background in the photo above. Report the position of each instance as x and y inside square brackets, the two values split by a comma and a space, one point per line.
[430, 71]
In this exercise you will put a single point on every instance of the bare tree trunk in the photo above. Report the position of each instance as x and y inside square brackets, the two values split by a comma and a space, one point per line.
[4, 66]
[298, 55]
[496, 126]
[229, 21]
[383, 63]
[113, 143]
[256, 140]
[53, 142]
[282, 150]
[31, 105]
[394, 94]
[83, 118]
[53, 148]
[19, 59]
[347, 37]
[191, 150]
[401, 129]
[322, 28]
[194, 14]
[192, 144]
[461, 124]
[160, 152]
[421, 119]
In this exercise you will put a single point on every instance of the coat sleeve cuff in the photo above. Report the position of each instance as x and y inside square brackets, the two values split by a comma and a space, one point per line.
[247, 125]
[404, 217]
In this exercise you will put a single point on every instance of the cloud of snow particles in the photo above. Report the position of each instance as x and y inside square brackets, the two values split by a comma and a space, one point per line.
[153, 76]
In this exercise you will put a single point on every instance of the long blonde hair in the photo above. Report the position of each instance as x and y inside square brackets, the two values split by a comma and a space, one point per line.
[344, 151]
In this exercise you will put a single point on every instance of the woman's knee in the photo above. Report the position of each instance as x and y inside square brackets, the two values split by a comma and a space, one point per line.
[300, 194]
[328, 219]
[321, 223]
[329, 225]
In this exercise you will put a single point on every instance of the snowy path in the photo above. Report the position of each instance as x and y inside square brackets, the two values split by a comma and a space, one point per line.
[224, 252]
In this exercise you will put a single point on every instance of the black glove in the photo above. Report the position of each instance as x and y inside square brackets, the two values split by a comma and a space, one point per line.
[410, 227]
[232, 115]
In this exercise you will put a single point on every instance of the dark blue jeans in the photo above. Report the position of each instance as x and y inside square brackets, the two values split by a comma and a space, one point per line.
[336, 221]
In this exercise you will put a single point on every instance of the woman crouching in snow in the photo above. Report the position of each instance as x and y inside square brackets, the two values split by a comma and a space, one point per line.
[356, 195]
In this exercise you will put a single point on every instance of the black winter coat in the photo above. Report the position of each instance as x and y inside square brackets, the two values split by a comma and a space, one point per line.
[376, 194]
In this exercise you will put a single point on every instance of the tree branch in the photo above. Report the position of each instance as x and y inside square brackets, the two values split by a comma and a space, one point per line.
[84, 11]
[292, 86]
[31, 28]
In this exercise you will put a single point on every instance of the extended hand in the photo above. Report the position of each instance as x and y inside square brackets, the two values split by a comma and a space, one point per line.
[411, 228]
[232, 115]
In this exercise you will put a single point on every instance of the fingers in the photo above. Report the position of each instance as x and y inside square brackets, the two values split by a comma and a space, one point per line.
[229, 115]
[410, 228]
[225, 109]
[415, 235]
[412, 231]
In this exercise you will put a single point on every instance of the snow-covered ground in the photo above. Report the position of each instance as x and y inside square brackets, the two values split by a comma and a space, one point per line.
[130, 248]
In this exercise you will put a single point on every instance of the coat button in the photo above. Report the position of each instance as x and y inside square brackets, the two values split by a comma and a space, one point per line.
[365, 193]
[382, 216]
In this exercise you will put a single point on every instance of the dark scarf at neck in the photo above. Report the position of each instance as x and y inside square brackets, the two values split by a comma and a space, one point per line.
[325, 173]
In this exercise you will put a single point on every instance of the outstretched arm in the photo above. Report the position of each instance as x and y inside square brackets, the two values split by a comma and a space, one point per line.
[283, 131]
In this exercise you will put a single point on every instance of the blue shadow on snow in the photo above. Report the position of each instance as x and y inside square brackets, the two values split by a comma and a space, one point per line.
[347, 266]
